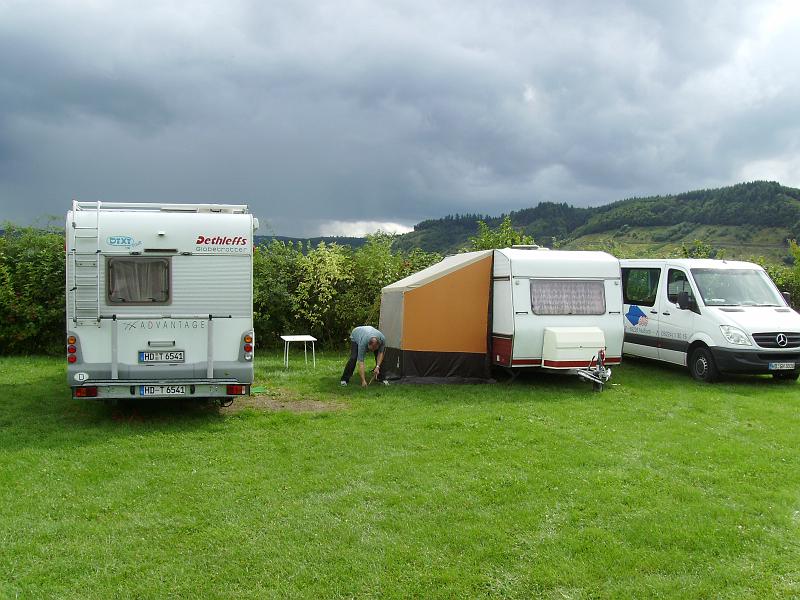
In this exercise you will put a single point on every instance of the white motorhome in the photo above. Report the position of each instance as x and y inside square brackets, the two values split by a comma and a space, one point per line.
[557, 310]
[159, 300]
[712, 316]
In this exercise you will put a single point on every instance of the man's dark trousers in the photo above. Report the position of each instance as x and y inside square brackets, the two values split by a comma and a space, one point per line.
[351, 363]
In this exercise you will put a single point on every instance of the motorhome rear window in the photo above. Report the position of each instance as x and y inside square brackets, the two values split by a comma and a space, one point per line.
[640, 285]
[568, 297]
[137, 280]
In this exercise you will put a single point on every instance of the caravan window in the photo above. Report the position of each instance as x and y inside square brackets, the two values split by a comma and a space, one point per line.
[136, 280]
[567, 297]
[640, 285]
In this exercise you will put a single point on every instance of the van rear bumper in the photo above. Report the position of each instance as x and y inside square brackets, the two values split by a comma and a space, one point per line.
[753, 361]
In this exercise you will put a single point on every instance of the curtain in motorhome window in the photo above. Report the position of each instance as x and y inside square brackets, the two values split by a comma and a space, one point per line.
[134, 280]
[567, 297]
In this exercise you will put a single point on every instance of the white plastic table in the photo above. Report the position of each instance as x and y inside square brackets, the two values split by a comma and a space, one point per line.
[287, 339]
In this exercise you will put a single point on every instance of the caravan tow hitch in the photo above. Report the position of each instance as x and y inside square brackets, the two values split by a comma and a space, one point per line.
[598, 374]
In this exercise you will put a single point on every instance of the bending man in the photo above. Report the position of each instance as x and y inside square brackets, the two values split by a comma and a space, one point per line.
[362, 339]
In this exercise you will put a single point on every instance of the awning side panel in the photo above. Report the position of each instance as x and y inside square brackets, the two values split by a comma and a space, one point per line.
[391, 319]
[450, 314]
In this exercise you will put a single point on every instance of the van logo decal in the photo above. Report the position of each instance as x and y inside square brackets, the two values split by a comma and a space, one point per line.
[781, 340]
[636, 316]
[122, 241]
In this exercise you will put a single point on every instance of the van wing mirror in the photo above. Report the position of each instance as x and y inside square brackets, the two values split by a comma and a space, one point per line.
[788, 297]
[683, 300]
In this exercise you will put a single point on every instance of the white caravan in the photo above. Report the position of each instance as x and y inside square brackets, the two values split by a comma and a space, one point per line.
[159, 300]
[557, 310]
[710, 315]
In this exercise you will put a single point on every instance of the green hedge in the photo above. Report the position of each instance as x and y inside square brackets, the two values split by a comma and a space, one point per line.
[323, 290]
[32, 290]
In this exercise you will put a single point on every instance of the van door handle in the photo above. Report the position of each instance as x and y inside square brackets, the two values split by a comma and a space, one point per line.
[653, 312]
[665, 313]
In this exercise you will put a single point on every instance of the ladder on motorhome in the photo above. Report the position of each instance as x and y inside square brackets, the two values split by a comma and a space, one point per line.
[86, 266]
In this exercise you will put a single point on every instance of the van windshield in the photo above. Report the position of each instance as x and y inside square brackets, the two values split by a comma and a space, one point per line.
[736, 287]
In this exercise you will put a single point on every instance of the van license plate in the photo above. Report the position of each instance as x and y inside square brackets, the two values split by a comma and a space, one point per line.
[162, 390]
[170, 356]
[786, 366]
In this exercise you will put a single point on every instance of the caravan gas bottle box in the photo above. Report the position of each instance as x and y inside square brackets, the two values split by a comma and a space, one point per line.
[571, 347]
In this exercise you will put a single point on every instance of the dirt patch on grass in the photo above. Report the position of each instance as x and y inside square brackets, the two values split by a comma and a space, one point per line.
[282, 401]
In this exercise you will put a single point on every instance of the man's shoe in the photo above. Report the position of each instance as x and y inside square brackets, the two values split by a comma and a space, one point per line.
[384, 382]
[343, 383]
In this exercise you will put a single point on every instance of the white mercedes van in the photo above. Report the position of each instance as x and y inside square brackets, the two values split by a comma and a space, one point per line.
[713, 316]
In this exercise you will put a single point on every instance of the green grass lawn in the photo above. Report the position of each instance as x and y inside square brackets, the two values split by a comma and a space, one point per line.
[657, 487]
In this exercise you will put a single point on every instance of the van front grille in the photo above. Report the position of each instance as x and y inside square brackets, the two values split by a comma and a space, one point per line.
[770, 340]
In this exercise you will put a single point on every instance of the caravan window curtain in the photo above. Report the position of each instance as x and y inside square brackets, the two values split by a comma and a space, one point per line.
[134, 280]
[568, 297]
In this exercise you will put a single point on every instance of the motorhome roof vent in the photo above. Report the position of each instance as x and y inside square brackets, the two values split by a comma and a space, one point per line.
[529, 247]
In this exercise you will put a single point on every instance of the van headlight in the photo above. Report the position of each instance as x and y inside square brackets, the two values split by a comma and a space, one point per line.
[734, 335]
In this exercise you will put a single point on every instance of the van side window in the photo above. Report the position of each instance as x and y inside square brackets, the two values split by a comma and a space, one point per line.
[640, 285]
[677, 282]
[137, 280]
[568, 297]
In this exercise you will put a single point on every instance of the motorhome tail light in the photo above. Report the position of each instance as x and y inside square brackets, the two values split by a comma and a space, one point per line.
[601, 355]
[72, 349]
[86, 392]
[235, 390]
[247, 346]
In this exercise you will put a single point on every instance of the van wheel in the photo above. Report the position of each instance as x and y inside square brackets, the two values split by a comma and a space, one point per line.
[786, 376]
[702, 367]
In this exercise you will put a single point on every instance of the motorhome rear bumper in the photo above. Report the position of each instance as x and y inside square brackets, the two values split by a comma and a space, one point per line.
[753, 361]
[147, 390]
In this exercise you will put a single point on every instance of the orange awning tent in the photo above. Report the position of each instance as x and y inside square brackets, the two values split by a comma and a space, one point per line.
[436, 321]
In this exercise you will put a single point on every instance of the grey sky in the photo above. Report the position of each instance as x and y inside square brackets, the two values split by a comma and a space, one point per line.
[340, 117]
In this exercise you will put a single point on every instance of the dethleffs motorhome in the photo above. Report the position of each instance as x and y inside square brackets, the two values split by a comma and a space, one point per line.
[709, 315]
[556, 310]
[159, 300]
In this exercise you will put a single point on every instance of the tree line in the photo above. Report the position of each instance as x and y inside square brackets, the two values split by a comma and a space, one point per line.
[324, 290]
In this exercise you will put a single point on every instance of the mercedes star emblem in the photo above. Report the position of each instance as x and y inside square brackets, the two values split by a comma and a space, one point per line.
[781, 340]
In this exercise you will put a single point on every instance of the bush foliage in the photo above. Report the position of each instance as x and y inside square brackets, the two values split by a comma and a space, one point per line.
[324, 290]
[31, 290]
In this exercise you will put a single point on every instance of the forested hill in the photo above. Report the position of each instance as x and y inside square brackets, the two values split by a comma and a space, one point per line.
[761, 206]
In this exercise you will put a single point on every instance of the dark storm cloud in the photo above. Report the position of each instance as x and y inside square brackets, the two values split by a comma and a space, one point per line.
[321, 112]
